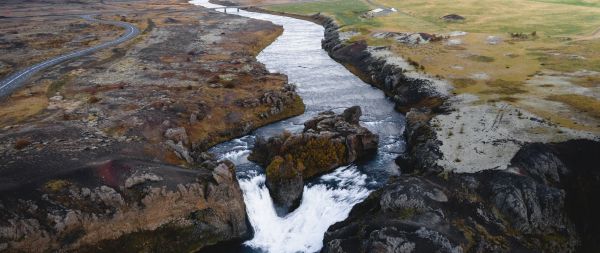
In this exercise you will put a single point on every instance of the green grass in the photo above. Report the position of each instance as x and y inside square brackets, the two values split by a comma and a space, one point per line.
[571, 2]
[495, 16]
[347, 12]
[590, 50]
[505, 87]
[550, 17]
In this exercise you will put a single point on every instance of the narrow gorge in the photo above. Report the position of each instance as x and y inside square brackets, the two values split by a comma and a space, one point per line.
[323, 85]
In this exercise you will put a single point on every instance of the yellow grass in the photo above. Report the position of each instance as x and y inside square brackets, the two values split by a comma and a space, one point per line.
[582, 103]
[23, 104]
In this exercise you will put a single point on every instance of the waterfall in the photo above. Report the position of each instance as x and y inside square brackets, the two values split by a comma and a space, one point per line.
[323, 84]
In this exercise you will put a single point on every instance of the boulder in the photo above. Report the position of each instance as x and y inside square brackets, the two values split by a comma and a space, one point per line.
[328, 141]
[453, 18]
[178, 134]
[285, 183]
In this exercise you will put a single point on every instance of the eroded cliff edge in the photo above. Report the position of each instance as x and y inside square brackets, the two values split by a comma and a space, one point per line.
[547, 204]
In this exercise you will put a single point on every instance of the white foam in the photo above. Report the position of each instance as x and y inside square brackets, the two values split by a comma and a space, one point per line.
[236, 156]
[303, 229]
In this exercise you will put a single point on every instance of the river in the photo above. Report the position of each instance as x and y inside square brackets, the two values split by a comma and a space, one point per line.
[323, 84]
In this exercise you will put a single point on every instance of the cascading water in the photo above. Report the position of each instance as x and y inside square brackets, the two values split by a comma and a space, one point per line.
[323, 84]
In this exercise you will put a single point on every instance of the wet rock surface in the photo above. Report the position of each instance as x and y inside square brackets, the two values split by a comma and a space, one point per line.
[543, 204]
[328, 141]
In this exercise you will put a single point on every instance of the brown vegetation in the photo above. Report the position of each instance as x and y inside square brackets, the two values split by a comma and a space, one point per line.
[588, 105]
[21, 143]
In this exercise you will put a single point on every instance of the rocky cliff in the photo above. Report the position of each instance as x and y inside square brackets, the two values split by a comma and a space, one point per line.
[124, 205]
[378, 66]
[545, 203]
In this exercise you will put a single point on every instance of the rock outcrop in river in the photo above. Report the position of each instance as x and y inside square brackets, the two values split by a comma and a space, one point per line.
[546, 203]
[328, 141]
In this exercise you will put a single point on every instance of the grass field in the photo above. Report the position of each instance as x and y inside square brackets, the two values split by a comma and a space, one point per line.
[347, 12]
[588, 3]
[562, 37]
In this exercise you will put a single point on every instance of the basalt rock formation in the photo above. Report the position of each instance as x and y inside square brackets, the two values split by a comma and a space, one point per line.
[328, 141]
[545, 203]
[126, 206]
[422, 145]
[394, 76]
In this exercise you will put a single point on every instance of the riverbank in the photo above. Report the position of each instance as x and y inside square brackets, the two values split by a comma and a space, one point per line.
[95, 148]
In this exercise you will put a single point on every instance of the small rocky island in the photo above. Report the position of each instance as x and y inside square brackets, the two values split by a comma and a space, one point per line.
[328, 141]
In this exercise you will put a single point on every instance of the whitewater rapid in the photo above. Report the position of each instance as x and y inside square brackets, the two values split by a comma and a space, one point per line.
[323, 85]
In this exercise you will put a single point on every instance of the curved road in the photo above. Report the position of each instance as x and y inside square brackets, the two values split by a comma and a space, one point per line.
[14, 81]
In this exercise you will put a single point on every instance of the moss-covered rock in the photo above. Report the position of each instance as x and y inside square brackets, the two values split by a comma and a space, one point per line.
[284, 180]
[328, 141]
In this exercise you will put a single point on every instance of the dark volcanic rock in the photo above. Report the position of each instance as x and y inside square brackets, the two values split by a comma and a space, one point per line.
[327, 142]
[422, 151]
[405, 91]
[452, 18]
[573, 167]
[549, 206]
[124, 206]
[285, 183]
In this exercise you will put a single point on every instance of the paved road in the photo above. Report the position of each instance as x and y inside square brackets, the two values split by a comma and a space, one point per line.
[14, 81]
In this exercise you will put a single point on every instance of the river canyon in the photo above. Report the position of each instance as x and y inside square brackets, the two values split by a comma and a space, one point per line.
[323, 84]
